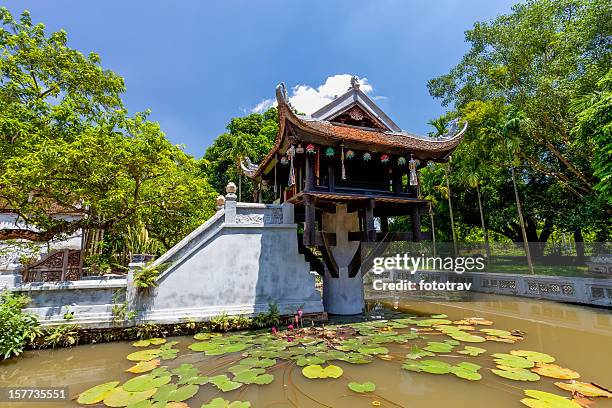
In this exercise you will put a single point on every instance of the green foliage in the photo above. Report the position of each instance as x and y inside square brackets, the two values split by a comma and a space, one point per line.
[269, 318]
[64, 335]
[146, 277]
[17, 328]
[250, 136]
[66, 140]
[518, 87]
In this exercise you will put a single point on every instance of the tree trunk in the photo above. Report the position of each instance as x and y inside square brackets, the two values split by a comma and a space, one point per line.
[521, 221]
[433, 229]
[450, 209]
[485, 233]
[579, 244]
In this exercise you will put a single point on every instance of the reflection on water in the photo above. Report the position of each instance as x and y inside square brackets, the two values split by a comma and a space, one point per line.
[580, 338]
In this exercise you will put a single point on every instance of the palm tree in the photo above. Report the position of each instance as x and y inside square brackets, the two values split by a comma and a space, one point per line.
[512, 124]
[474, 182]
[440, 125]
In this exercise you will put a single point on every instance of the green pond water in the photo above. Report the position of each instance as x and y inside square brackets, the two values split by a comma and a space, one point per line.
[268, 370]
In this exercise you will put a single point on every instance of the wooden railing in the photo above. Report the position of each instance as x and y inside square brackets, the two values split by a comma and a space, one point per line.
[363, 187]
[57, 266]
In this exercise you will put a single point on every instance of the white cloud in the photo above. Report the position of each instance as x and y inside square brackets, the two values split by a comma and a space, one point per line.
[264, 106]
[308, 99]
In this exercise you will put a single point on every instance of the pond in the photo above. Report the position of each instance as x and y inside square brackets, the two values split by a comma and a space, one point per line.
[411, 358]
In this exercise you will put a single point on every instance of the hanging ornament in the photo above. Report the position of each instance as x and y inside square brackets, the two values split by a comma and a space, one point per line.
[349, 154]
[310, 149]
[329, 152]
[384, 158]
[284, 160]
[291, 154]
[401, 161]
[367, 156]
[342, 161]
[412, 165]
[275, 183]
[299, 149]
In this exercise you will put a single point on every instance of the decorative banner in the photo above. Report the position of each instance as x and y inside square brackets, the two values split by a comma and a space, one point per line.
[299, 149]
[367, 156]
[284, 160]
[329, 152]
[342, 161]
[384, 158]
[291, 154]
[412, 164]
[350, 154]
[310, 149]
[401, 161]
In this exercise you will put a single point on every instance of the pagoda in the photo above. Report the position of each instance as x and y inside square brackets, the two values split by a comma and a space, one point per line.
[342, 167]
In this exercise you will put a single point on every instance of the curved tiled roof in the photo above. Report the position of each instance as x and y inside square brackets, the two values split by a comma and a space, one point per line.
[439, 148]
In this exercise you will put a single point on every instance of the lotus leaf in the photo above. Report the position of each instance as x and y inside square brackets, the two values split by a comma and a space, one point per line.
[356, 358]
[435, 367]
[438, 347]
[586, 389]
[465, 373]
[512, 361]
[222, 403]
[373, 350]
[534, 356]
[258, 362]
[145, 404]
[144, 355]
[516, 374]
[183, 393]
[467, 337]
[416, 353]
[541, 399]
[412, 366]
[496, 332]
[432, 322]
[96, 394]
[304, 361]
[163, 392]
[469, 366]
[168, 354]
[143, 366]
[555, 371]
[472, 351]
[118, 397]
[316, 371]
[363, 387]
[223, 383]
[145, 382]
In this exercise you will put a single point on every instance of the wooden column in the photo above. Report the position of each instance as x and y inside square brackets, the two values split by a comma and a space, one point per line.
[384, 223]
[369, 221]
[310, 176]
[310, 222]
[396, 177]
[416, 224]
[331, 176]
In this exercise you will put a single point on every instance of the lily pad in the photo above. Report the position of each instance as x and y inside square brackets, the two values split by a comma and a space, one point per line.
[516, 374]
[143, 355]
[555, 371]
[534, 356]
[223, 383]
[466, 374]
[541, 399]
[143, 366]
[363, 387]
[416, 353]
[145, 382]
[512, 361]
[439, 347]
[373, 350]
[118, 397]
[586, 389]
[222, 403]
[183, 393]
[316, 371]
[304, 361]
[472, 351]
[156, 341]
[435, 367]
[96, 394]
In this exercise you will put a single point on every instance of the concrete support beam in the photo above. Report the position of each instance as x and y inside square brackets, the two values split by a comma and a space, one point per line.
[416, 224]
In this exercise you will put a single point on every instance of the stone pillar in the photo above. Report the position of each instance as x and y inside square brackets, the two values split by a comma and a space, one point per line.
[230, 203]
[131, 294]
[342, 295]
[288, 213]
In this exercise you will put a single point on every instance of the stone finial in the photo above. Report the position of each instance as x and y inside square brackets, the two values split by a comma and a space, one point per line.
[231, 190]
[220, 202]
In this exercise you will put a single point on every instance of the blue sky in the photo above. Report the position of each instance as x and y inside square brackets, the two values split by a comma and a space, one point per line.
[196, 64]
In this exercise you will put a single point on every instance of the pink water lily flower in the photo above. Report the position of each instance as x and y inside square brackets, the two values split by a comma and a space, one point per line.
[300, 312]
[290, 327]
[273, 330]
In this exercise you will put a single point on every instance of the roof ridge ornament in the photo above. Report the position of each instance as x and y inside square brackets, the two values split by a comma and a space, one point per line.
[354, 82]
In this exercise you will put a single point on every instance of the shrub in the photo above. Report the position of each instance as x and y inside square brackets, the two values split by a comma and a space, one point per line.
[17, 328]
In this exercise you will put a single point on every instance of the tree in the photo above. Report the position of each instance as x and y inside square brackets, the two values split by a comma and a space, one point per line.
[250, 136]
[67, 141]
[535, 62]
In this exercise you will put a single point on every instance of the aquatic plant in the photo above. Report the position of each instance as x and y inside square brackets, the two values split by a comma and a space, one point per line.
[64, 335]
[17, 328]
